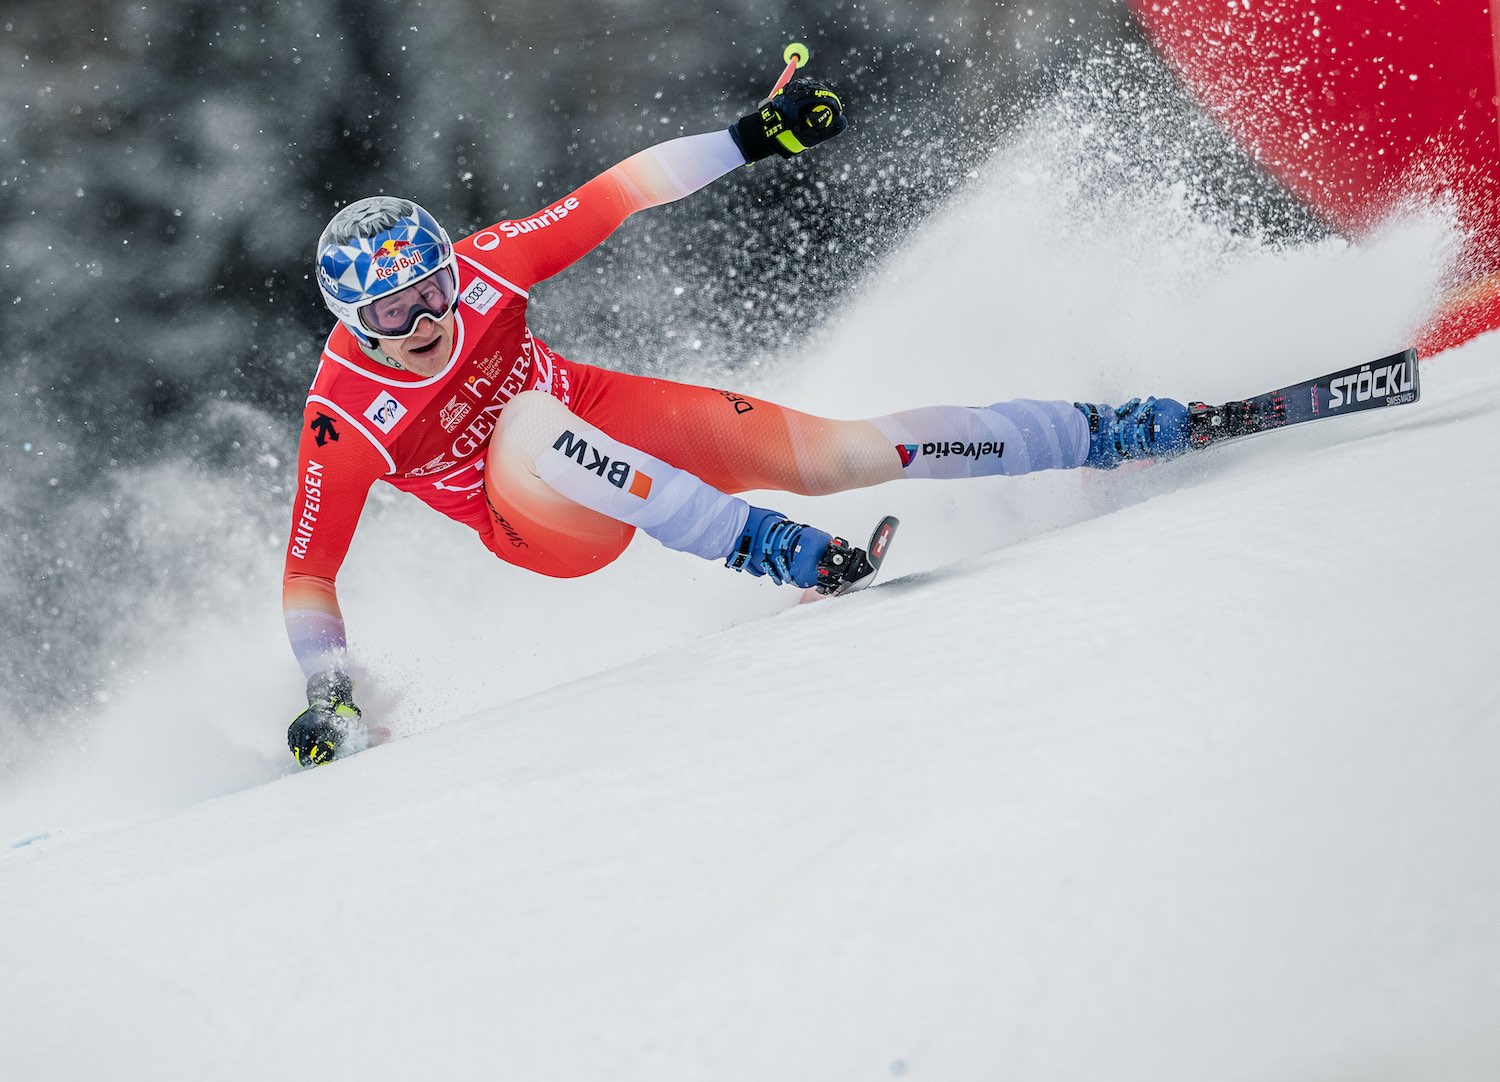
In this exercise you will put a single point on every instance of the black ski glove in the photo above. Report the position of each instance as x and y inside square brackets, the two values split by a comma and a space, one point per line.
[805, 113]
[317, 734]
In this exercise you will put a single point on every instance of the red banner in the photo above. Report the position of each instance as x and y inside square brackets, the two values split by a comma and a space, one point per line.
[1356, 108]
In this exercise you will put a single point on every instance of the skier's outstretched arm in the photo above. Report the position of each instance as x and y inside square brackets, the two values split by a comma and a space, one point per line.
[531, 249]
[335, 469]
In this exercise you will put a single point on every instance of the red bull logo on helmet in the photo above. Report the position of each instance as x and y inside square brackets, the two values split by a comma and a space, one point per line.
[395, 256]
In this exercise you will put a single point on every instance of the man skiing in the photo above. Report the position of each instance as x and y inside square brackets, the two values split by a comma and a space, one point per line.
[433, 382]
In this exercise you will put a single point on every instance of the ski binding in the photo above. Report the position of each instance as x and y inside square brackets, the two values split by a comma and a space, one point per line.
[845, 569]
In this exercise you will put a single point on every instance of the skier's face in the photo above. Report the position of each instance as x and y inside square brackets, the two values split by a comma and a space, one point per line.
[427, 350]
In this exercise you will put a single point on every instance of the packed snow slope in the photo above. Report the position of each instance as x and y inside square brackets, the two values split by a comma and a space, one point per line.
[1185, 772]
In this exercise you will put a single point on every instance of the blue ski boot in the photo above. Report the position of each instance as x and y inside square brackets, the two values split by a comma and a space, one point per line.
[1141, 428]
[786, 551]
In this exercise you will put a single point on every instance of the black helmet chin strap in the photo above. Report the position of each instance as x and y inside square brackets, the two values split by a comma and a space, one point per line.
[380, 356]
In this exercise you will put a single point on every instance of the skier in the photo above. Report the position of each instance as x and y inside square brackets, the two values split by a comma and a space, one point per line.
[433, 382]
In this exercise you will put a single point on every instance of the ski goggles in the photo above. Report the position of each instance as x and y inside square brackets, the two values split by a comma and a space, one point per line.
[395, 315]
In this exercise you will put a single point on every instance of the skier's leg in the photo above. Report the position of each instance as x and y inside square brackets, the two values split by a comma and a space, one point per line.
[1025, 435]
[733, 442]
[537, 527]
[567, 485]
[1006, 438]
[565, 496]
[738, 443]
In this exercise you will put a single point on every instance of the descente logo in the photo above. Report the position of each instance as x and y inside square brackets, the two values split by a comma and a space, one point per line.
[540, 221]
[614, 471]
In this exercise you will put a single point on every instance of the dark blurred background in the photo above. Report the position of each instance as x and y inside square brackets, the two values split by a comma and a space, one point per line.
[169, 165]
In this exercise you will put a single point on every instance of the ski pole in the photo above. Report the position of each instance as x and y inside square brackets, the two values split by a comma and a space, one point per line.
[795, 55]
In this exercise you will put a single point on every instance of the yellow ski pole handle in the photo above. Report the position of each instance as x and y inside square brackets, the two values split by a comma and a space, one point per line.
[796, 55]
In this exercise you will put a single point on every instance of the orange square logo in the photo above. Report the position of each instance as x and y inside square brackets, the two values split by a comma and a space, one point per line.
[640, 485]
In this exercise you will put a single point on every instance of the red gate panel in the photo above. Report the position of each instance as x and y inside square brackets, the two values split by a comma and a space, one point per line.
[1355, 106]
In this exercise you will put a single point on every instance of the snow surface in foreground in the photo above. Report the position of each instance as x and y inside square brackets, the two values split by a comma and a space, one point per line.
[1183, 773]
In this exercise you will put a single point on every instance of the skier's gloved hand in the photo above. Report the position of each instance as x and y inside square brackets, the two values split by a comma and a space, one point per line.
[318, 733]
[804, 113]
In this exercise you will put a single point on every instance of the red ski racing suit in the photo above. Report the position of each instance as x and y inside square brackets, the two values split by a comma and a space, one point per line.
[432, 436]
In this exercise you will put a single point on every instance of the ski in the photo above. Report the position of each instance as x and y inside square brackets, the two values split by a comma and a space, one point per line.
[854, 569]
[1390, 381]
